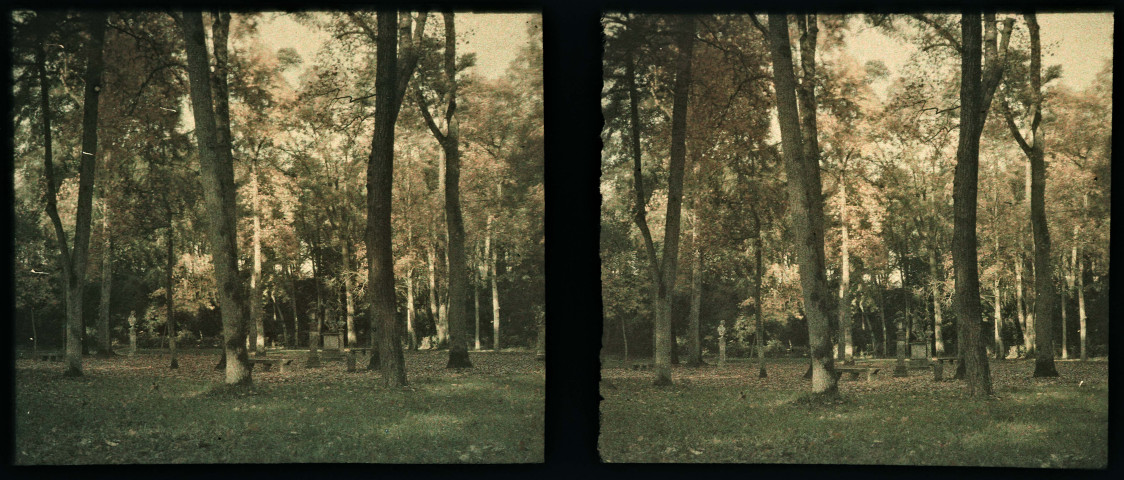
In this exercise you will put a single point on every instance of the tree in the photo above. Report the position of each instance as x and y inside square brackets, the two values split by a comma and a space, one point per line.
[392, 75]
[450, 144]
[977, 86]
[74, 260]
[216, 164]
[1045, 296]
[804, 189]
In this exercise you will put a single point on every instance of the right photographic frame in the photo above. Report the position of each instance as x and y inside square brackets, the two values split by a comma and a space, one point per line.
[877, 239]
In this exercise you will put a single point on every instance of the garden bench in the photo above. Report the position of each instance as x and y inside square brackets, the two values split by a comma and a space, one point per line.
[641, 366]
[268, 363]
[51, 356]
[855, 370]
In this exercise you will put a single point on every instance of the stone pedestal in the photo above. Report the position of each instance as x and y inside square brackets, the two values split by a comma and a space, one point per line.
[722, 344]
[313, 355]
[899, 368]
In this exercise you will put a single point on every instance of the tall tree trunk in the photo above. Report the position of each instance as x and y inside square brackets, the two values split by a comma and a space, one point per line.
[495, 300]
[293, 304]
[1001, 350]
[846, 353]
[804, 189]
[977, 87]
[105, 345]
[938, 336]
[277, 315]
[1019, 305]
[411, 329]
[256, 324]
[1066, 278]
[314, 331]
[169, 297]
[1081, 302]
[760, 340]
[76, 274]
[391, 76]
[476, 308]
[676, 168]
[882, 316]
[433, 313]
[694, 354]
[217, 176]
[1042, 325]
[456, 266]
[349, 292]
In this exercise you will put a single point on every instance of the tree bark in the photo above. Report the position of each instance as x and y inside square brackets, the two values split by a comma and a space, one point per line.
[882, 316]
[293, 304]
[105, 345]
[217, 177]
[760, 337]
[391, 75]
[1081, 302]
[457, 272]
[676, 168]
[169, 297]
[694, 354]
[976, 89]
[76, 276]
[1044, 295]
[1019, 302]
[256, 324]
[938, 321]
[411, 330]
[846, 354]
[1001, 352]
[476, 308]
[433, 313]
[1065, 294]
[805, 193]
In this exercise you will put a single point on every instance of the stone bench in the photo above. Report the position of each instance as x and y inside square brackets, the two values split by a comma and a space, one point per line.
[268, 363]
[855, 370]
[938, 366]
[51, 356]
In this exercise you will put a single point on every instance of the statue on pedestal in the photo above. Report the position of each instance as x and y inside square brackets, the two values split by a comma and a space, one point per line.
[132, 333]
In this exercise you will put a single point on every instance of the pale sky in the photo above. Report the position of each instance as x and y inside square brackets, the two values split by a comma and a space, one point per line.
[1079, 42]
[495, 38]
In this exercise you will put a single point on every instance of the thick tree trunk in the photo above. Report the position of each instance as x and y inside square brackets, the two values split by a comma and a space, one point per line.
[105, 345]
[458, 271]
[217, 177]
[393, 78]
[678, 152]
[76, 280]
[804, 191]
[976, 89]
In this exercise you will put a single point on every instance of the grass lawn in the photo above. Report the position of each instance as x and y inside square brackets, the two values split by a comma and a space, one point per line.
[135, 410]
[726, 414]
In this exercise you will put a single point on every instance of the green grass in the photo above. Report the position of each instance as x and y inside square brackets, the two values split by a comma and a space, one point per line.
[726, 414]
[133, 410]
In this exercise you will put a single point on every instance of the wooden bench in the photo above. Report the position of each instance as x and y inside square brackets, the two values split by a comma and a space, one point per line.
[855, 370]
[641, 366]
[268, 363]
